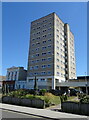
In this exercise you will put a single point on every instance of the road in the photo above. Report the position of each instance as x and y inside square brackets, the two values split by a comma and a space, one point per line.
[10, 115]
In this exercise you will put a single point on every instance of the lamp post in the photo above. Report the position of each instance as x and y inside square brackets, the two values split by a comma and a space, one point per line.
[86, 84]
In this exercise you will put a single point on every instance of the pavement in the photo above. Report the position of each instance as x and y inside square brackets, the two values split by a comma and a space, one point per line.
[55, 108]
[45, 113]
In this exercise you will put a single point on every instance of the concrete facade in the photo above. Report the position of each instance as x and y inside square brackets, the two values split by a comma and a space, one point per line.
[16, 73]
[51, 54]
[15, 79]
[2, 78]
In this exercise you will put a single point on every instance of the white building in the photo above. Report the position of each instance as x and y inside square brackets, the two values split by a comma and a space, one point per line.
[18, 75]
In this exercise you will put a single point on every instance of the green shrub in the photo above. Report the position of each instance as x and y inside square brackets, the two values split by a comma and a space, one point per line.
[85, 99]
[43, 91]
[17, 93]
[81, 95]
[29, 96]
[63, 98]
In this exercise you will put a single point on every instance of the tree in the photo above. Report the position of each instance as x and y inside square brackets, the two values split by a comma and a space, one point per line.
[35, 86]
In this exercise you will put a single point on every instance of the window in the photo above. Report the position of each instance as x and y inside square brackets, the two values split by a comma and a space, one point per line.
[43, 48]
[38, 27]
[58, 66]
[35, 73]
[44, 25]
[60, 33]
[31, 74]
[57, 53]
[8, 75]
[44, 20]
[58, 60]
[57, 30]
[33, 44]
[15, 75]
[43, 66]
[49, 72]
[57, 47]
[57, 41]
[43, 53]
[49, 46]
[32, 50]
[37, 61]
[44, 30]
[37, 49]
[36, 67]
[32, 61]
[37, 54]
[49, 66]
[32, 56]
[49, 40]
[49, 59]
[37, 43]
[31, 68]
[58, 36]
[43, 73]
[58, 73]
[44, 41]
[61, 44]
[44, 35]
[30, 80]
[23, 86]
[42, 79]
[33, 39]
[49, 28]
[49, 52]
[49, 34]
[38, 32]
[19, 86]
[43, 59]
[38, 38]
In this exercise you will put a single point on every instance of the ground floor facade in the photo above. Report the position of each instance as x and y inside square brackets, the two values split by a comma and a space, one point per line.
[44, 82]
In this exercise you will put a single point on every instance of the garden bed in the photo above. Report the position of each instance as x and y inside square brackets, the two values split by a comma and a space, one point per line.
[20, 97]
[37, 103]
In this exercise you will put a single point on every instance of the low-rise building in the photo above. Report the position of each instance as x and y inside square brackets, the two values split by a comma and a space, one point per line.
[2, 78]
[82, 83]
[16, 77]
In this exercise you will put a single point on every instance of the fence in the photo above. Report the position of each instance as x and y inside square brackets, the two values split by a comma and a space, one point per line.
[38, 103]
[76, 108]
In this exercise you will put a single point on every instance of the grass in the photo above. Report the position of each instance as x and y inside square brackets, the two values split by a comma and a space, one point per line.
[73, 99]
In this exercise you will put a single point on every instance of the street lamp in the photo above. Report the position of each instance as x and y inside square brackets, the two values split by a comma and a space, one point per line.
[86, 84]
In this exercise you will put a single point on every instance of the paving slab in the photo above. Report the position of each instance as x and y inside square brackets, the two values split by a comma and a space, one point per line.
[40, 112]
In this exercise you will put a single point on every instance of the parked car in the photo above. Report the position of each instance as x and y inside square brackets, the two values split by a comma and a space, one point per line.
[73, 92]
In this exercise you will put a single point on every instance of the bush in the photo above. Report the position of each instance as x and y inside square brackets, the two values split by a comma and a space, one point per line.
[81, 95]
[43, 91]
[63, 98]
[85, 99]
[18, 93]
